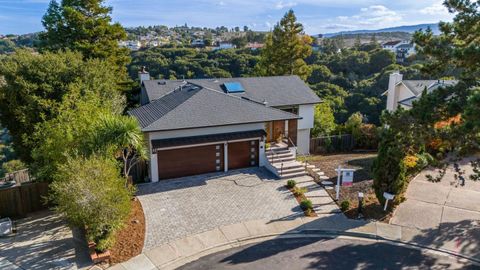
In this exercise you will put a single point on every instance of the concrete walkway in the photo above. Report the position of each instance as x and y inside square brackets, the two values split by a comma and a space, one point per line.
[444, 214]
[182, 251]
[44, 241]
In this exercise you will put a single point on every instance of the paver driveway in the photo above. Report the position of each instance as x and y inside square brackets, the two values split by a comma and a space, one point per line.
[180, 207]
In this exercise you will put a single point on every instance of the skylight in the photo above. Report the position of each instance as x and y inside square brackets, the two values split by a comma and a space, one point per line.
[233, 87]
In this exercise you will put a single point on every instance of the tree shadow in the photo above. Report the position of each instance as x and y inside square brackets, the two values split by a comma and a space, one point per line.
[462, 237]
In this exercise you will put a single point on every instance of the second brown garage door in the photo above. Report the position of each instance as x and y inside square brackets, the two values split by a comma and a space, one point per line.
[189, 161]
[242, 154]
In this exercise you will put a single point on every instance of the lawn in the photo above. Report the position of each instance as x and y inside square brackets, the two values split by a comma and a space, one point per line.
[362, 182]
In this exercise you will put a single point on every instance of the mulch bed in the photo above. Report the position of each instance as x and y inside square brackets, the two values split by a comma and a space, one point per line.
[299, 200]
[362, 182]
[130, 239]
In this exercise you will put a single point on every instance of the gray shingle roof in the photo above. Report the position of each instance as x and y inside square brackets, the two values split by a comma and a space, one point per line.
[194, 106]
[418, 86]
[276, 91]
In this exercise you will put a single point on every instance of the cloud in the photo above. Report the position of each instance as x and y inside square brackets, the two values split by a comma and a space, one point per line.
[371, 16]
[282, 5]
[435, 9]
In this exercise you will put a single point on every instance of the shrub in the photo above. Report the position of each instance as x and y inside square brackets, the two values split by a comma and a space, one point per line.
[410, 162]
[389, 171]
[306, 205]
[291, 183]
[299, 191]
[344, 206]
[91, 194]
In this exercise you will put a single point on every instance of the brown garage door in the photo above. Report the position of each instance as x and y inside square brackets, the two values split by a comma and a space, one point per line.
[242, 154]
[189, 161]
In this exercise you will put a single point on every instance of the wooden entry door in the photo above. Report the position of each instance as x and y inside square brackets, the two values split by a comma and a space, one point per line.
[278, 129]
[292, 131]
[242, 154]
[190, 161]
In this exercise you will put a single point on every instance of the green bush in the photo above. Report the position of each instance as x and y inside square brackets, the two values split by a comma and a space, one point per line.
[306, 205]
[344, 206]
[91, 194]
[389, 171]
[291, 183]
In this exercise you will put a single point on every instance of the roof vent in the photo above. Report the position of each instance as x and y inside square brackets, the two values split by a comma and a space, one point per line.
[233, 87]
[162, 83]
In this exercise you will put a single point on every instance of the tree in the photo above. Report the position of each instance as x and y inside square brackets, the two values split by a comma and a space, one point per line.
[240, 42]
[37, 84]
[121, 135]
[90, 193]
[324, 121]
[85, 26]
[286, 49]
[320, 73]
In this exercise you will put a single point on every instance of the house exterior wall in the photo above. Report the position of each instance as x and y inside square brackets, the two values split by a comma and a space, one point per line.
[198, 132]
[304, 126]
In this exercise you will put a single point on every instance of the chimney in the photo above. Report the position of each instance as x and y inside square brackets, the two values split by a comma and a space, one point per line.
[392, 96]
[143, 75]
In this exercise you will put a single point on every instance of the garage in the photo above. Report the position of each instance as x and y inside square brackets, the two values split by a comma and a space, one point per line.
[242, 154]
[188, 161]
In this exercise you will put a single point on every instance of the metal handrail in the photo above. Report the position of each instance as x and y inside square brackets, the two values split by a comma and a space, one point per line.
[298, 154]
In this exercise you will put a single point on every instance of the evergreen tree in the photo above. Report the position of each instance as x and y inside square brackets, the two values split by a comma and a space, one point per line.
[85, 26]
[285, 49]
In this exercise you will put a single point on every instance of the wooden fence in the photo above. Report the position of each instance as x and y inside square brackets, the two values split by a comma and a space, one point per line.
[330, 144]
[22, 176]
[20, 200]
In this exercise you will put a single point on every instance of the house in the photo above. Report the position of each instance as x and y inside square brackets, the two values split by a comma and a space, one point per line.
[402, 93]
[133, 45]
[224, 46]
[401, 48]
[254, 46]
[210, 125]
[199, 43]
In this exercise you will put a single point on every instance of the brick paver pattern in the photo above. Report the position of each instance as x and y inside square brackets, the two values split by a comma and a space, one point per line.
[180, 207]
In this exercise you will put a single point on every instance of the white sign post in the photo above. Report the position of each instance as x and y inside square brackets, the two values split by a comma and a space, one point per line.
[344, 178]
[387, 197]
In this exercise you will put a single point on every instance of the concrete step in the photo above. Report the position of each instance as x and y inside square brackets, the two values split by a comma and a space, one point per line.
[292, 170]
[323, 177]
[280, 160]
[287, 165]
[327, 183]
[282, 155]
[293, 175]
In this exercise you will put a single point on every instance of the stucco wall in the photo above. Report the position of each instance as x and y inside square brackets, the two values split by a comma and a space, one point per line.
[306, 112]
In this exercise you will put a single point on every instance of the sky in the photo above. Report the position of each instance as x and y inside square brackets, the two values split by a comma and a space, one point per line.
[317, 16]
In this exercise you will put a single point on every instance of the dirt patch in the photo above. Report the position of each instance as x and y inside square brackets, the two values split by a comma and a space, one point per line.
[362, 182]
[130, 239]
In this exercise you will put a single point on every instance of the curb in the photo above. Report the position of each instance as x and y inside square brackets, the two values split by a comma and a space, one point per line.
[307, 233]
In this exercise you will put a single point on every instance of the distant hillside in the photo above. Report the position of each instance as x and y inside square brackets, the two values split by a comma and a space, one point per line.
[348, 40]
[405, 28]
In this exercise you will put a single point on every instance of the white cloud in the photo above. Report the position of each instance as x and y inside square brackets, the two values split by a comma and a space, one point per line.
[282, 5]
[435, 9]
[372, 16]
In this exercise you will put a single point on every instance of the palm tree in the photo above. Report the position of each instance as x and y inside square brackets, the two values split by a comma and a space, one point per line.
[121, 135]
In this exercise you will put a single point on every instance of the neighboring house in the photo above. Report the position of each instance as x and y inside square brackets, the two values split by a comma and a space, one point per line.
[198, 43]
[224, 46]
[401, 48]
[133, 45]
[254, 46]
[402, 93]
[207, 125]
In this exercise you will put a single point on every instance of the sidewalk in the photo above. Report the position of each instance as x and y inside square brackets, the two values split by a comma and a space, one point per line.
[182, 251]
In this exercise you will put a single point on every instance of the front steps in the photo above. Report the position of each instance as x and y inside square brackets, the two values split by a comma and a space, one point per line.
[284, 162]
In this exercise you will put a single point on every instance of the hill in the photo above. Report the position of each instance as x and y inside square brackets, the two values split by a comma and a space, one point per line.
[405, 28]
